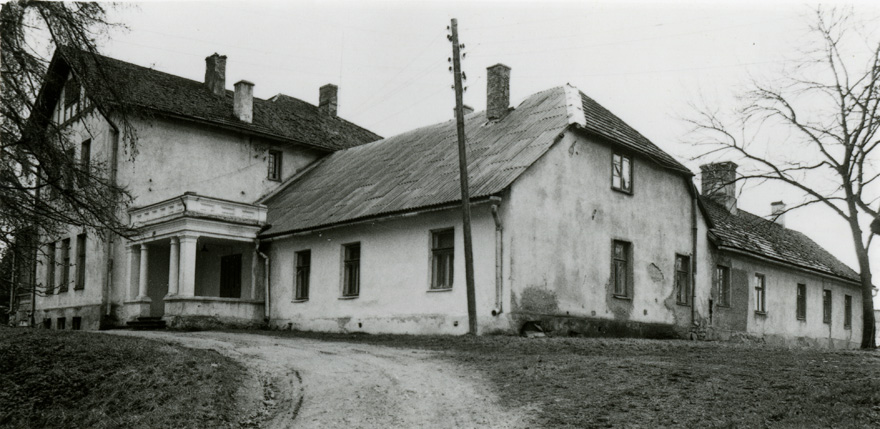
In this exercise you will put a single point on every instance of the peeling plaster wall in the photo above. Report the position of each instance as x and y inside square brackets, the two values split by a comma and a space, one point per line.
[395, 274]
[780, 324]
[560, 220]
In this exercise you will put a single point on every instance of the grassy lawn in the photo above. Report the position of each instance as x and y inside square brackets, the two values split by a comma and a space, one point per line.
[69, 379]
[580, 382]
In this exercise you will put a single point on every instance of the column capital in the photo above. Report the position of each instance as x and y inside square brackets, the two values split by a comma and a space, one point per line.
[143, 247]
[174, 240]
[187, 237]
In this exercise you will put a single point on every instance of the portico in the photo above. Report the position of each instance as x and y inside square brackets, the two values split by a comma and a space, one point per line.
[195, 261]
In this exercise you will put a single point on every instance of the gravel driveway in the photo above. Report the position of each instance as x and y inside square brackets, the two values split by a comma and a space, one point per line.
[307, 383]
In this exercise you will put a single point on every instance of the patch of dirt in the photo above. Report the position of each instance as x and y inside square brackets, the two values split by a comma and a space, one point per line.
[317, 384]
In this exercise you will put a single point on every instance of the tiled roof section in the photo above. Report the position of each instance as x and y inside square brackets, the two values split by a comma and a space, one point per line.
[604, 123]
[754, 234]
[282, 117]
[420, 168]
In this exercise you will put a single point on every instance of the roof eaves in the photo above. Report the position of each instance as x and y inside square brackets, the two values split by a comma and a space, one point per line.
[429, 207]
[725, 247]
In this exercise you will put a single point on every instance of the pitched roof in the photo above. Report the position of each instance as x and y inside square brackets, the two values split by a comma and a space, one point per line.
[753, 234]
[419, 169]
[281, 118]
[599, 120]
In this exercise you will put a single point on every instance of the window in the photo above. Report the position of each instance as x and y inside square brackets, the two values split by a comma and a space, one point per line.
[760, 294]
[230, 276]
[80, 262]
[621, 173]
[620, 256]
[274, 165]
[71, 92]
[303, 269]
[68, 176]
[442, 258]
[50, 268]
[76, 323]
[826, 306]
[801, 301]
[61, 323]
[351, 281]
[847, 312]
[65, 265]
[85, 155]
[722, 284]
[682, 278]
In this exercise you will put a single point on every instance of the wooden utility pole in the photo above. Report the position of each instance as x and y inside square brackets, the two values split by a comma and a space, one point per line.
[463, 173]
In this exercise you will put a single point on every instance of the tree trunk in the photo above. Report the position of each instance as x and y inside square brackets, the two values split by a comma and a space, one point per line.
[867, 288]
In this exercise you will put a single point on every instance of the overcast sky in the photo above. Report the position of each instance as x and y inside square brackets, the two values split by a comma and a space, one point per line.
[644, 61]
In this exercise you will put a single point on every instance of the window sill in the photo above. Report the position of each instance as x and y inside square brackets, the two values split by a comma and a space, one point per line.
[802, 319]
[760, 313]
[300, 300]
[624, 297]
[683, 304]
[847, 327]
[622, 191]
[349, 297]
[722, 306]
[445, 289]
[273, 180]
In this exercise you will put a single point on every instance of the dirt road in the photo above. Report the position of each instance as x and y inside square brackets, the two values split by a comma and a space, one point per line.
[314, 384]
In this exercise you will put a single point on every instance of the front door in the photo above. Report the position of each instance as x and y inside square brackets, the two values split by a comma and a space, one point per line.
[230, 276]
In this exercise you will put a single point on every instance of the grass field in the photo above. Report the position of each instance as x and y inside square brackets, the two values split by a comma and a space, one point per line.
[70, 379]
[580, 382]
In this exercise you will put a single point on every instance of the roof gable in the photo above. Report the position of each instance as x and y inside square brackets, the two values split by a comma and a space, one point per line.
[753, 234]
[282, 118]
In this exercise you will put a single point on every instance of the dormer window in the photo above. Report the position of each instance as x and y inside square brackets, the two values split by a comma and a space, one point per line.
[621, 173]
[274, 165]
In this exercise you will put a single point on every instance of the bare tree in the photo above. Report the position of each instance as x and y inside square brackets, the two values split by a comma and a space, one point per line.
[814, 129]
[43, 187]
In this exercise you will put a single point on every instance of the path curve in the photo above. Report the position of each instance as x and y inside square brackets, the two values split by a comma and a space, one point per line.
[308, 383]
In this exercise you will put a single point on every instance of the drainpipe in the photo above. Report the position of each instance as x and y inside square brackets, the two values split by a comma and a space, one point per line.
[498, 273]
[694, 234]
[266, 266]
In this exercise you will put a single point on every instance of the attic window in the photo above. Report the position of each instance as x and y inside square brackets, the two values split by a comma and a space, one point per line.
[274, 165]
[621, 173]
[71, 92]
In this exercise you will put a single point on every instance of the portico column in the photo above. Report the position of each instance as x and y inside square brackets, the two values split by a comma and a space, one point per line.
[187, 268]
[132, 268]
[173, 264]
[142, 283]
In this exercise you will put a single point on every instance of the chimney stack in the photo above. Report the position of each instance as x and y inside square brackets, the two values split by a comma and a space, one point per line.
[327, 99]
[719, 183]
[777, 213]
[215, 74]
[243, 106]
[497, 91]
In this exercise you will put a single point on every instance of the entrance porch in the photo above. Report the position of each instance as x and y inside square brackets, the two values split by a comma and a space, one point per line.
[195, 263]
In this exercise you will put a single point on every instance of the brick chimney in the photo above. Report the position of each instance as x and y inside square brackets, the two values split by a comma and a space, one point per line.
[777, 213]
[243, 106]
[497, 91]
[215, 74]
[719, 183]
[327, 99]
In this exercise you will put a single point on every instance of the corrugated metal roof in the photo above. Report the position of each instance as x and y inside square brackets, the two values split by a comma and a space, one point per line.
[419, 168]
[754, 234]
